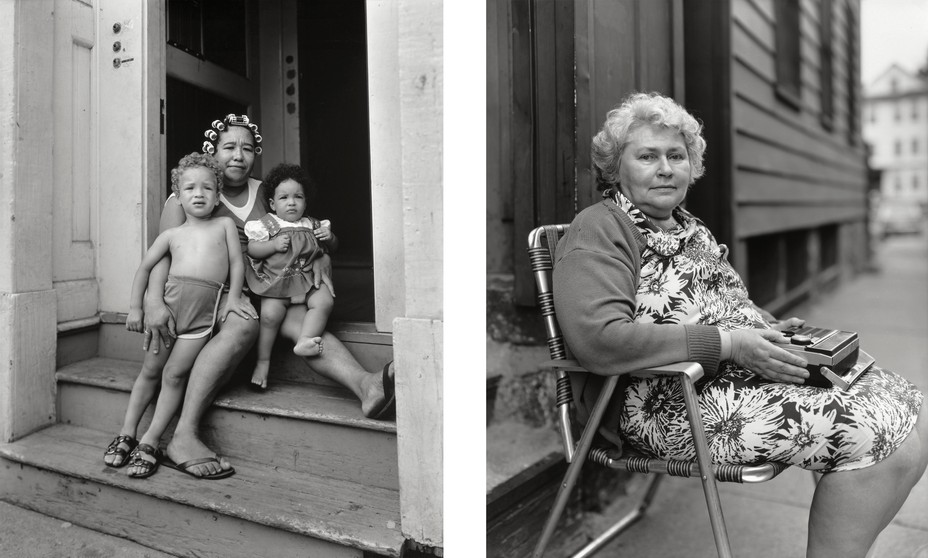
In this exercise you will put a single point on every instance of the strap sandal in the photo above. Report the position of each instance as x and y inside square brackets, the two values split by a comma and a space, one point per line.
[122, 453]
[148, 468]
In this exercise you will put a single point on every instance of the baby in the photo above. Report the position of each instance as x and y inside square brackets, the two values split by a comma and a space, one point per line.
[193, 294]
[281, 247]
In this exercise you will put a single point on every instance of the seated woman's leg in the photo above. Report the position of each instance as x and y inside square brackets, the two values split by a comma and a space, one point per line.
[273, 311]
[319, 306]
[850, 508]
[337, 364]
[212, 368]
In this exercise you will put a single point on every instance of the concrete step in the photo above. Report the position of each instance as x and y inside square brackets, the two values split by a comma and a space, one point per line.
[263, 508]
[302, 427]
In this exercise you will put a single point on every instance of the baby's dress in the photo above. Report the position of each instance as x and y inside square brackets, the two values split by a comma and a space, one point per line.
[283, 274]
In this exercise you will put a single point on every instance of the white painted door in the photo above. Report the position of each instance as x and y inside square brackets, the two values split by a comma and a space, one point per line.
[73, 170]
[107, 149]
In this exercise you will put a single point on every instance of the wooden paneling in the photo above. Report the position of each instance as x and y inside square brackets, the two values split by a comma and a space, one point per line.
[759, 188]
[752, 54]
[615, 55]
[74, 175]
[763, 156]
[762, 122]
[766, 219]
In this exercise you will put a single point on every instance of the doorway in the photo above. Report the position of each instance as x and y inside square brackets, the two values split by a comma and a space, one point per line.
[209, 76]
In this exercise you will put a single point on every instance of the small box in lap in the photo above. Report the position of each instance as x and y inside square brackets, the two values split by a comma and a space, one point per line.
[834, 356]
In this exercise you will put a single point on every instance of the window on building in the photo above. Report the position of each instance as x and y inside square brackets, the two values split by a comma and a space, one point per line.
[825, 56]
[898, 147]
[898, 184]
[872, 113]
[788, 36]
[897, 111]
[852, 72]
[915, 145]
[914, 109]
[915, 183]
[828, 246]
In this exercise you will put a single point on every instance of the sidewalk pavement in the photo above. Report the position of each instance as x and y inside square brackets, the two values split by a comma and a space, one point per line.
[889, 310]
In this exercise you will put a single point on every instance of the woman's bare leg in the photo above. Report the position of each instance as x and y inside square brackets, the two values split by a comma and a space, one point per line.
[273, 311]
[337, 364]
[212, 369]
[851, 508]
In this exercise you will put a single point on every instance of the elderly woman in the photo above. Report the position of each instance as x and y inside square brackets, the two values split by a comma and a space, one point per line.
[641, 282]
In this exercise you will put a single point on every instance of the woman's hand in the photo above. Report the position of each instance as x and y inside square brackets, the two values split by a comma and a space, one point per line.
[282, 242]
[241, 306]
[322, 273]
[323, 232]
[159, 326]
[757, 350]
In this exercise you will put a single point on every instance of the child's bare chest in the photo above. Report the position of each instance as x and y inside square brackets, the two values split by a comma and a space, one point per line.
[201, 252]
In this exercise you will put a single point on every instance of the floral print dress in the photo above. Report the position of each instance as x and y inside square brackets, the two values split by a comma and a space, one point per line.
[686, 279]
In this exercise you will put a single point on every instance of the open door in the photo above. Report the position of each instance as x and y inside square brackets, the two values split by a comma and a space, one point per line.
[301, 74]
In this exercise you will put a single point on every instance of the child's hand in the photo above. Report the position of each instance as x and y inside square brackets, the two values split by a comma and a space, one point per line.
[241, 306]
[134, 321]
[282, 242]
[324, 232]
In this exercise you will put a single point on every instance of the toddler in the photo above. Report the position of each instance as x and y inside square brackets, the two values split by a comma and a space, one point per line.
[193, 294]
[281, 247]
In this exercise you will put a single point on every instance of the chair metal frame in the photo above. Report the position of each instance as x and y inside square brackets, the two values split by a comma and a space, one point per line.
[542, 242]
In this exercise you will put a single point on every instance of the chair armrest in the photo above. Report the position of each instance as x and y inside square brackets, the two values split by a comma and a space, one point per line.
[565, 364]
[692, 369]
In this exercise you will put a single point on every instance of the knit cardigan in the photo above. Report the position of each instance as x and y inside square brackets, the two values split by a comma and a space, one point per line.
[597, 267]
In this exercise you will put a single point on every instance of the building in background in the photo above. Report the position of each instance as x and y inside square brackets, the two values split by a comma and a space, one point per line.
[895, 125]
[777, 87]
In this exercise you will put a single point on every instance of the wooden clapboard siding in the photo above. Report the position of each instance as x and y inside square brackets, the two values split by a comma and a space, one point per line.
[758, 219]
[760, 119]
[789, 172]
[762, 188]
[775, 156]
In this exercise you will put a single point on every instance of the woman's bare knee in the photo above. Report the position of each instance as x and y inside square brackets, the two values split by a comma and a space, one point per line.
[237, 332]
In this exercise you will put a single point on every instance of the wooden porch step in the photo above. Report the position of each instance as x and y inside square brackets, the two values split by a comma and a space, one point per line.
[302, 427]
[59, 472]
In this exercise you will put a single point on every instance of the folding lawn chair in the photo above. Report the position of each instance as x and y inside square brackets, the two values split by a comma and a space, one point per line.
[542, 242]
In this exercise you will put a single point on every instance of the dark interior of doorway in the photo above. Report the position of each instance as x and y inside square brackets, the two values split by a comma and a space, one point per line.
[334, 138]
[335, 142]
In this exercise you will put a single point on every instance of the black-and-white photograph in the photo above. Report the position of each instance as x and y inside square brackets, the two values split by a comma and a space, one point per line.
[707, 278]
[221, 291]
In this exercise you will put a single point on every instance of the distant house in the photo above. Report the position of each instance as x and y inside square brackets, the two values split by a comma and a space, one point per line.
[895, 125]
[776, 84]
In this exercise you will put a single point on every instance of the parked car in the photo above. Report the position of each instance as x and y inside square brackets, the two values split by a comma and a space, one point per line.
[899, 217]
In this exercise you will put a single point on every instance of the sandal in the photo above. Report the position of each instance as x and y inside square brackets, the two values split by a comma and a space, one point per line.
[148, 467]
[123, 454]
